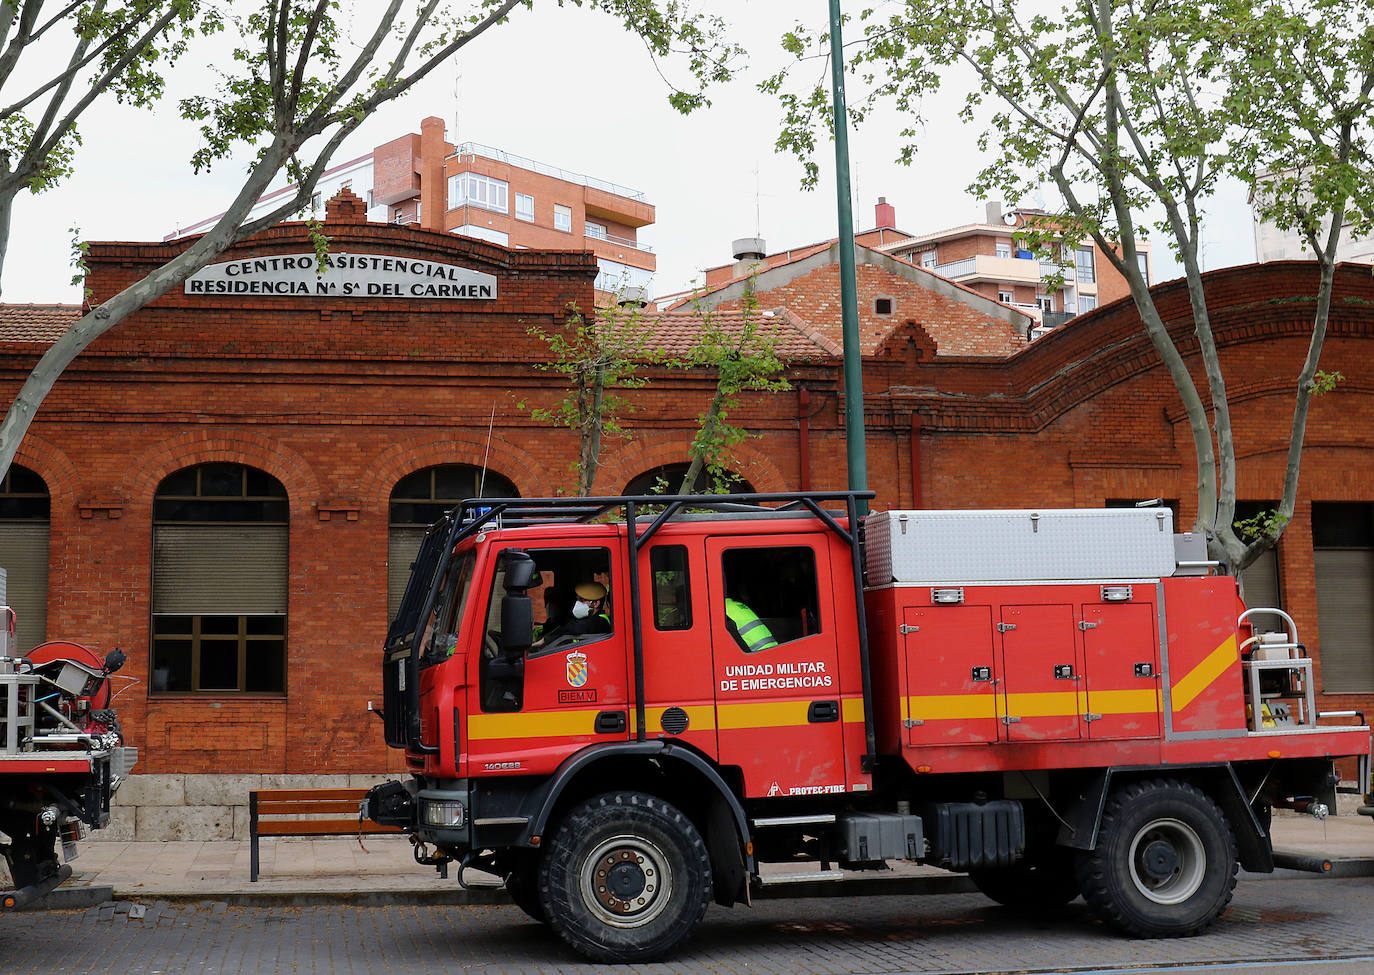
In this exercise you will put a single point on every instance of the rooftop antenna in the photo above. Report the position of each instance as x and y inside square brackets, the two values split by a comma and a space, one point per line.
[758, 220]
[457, 102]
[482, 484]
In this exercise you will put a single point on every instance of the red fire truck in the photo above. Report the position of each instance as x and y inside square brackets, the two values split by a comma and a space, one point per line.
[62, 756]
[627, 706]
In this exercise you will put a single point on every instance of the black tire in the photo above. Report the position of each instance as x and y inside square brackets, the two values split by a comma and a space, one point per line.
[522, 883]
[1040, 883]
[1165, 862]
[625, 878]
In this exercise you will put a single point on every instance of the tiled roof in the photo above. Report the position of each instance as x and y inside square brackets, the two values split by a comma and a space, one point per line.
[36, 323]
[677, 332]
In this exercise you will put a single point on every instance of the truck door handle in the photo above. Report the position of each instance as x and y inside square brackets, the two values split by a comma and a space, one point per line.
[610, 722]
[821, 712]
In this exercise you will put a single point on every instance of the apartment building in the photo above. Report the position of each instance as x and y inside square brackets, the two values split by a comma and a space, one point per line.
[483, 192]
[988, 258]
[487, 193]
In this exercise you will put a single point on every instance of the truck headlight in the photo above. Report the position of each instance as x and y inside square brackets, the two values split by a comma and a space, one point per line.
[445, 813]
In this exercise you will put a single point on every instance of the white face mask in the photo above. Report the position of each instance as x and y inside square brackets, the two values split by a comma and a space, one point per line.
[581, 610]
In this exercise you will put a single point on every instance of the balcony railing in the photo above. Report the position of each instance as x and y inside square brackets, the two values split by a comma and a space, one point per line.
[622, 241]
[523, 162]
[957, 269]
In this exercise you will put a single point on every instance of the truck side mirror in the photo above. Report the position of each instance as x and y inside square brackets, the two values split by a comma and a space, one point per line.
[517, 623]
[521, 571]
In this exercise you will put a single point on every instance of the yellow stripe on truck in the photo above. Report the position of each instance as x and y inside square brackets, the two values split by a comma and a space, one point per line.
[1197, 680]
[532, 724]
[955, 707]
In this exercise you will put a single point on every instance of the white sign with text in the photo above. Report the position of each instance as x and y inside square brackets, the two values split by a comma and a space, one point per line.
[342, 275]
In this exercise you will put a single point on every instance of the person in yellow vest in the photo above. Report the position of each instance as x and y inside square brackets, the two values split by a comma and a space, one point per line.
[750, 632]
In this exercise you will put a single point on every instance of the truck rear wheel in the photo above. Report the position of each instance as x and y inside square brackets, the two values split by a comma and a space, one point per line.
[1044, 882]
[1165, 861]
[625, 878]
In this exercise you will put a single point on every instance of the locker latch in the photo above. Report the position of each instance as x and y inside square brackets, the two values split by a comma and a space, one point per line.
[906, 628]
[977, 674]
[1064, 672]
[1085, 625]
[912, 722]
[1145, 670]
[1010, 719]
[1089, 716]
[1004, 627]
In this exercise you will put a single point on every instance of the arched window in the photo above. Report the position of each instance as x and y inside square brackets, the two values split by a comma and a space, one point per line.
[219, 582]
[667, 479]
[419, 500]
[24, 507]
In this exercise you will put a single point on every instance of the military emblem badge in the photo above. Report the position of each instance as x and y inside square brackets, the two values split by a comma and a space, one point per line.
[577, 669]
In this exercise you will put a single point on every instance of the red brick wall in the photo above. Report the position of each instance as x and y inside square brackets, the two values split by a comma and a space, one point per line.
[339, 400]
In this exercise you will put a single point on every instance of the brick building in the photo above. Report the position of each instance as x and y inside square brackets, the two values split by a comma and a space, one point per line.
[227, 486]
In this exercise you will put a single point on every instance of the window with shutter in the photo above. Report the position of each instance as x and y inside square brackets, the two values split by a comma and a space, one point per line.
[219, 582]
[24, 507]
[419, 500]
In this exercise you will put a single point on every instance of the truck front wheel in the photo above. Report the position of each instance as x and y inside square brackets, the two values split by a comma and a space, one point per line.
[1165, 861]
[625, 878]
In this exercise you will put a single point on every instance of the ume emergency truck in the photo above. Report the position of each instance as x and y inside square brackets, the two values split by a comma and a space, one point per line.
[1057, 702]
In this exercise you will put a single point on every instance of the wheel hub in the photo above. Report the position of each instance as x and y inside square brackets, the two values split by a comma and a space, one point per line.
[1167, 861]
[626, 881]
[1159, 860]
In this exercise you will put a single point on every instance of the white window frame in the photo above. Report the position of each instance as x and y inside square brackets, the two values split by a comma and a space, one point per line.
[521, 212]
[595, 230]
[1003, 248]
[1006, 297]
[1086, 303]
[564, 212]
[478, 190]
[928, 258]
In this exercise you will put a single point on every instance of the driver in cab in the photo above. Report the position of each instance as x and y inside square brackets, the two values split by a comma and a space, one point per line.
[589, 614]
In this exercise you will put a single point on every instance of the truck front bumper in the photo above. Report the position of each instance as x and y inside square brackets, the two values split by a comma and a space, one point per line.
[441, 817]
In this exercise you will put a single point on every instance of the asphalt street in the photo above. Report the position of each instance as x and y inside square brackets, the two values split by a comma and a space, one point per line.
[1287, 923]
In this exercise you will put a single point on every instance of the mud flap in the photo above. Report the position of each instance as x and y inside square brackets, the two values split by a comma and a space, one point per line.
[728, 871]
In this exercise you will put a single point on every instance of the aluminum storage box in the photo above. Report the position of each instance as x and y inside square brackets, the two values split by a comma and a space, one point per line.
[1013, 545]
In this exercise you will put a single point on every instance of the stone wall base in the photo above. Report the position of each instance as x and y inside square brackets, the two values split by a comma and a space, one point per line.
[202, 807]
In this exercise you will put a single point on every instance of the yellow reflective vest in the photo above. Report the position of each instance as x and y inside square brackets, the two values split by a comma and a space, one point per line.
[753, 632]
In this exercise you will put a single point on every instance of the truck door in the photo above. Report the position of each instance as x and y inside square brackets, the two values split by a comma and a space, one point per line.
[1121, 670]
[569, 690]
[951, 687]
[775, 657]
[679, 680]
[1041, 672]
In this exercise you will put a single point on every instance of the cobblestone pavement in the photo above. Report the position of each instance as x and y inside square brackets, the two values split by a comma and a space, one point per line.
[1272, 918]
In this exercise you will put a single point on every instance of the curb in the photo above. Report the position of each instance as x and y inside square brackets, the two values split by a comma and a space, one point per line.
[71, 899]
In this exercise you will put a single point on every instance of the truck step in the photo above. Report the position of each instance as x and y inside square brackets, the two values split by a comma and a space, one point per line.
[815, 876]
[817, 819]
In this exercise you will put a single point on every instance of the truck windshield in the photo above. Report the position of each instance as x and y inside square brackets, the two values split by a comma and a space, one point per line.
[440, 636]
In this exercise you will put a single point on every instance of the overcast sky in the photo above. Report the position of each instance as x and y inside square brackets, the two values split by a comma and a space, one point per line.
[568, 88]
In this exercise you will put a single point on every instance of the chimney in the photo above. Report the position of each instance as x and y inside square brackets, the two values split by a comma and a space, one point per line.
[748, 252]
[886, 214]
[994, 211]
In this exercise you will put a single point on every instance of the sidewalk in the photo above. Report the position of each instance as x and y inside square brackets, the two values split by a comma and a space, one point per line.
[305, 871]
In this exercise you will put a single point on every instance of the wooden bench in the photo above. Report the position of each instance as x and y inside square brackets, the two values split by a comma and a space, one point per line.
[311, 812]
